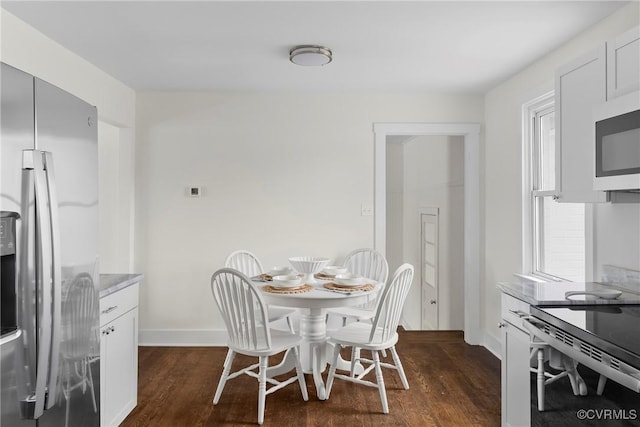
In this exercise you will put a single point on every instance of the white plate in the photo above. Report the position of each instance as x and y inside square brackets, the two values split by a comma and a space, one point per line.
[286, 281]
[348, 279]
[332, 270]
[279, 271]
[603, 293]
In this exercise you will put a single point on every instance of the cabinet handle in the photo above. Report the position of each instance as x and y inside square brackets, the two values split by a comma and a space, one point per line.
[109, 310]
[502, 325]
[432, 301]
[519, 313]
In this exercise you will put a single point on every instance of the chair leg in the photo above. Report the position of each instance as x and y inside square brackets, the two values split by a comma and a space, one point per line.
[301, 380]
[223, 377]
[577, 383]
[602, 381]
[332, 370]
[355, 355]
[93, 394]
[398, 364]
[68, 398]
[380, 381]
[262, 387]
[540, 379]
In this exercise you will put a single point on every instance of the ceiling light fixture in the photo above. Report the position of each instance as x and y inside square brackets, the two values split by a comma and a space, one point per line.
[310, 55]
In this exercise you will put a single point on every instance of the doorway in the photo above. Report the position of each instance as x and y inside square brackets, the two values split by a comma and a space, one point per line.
[470, 134]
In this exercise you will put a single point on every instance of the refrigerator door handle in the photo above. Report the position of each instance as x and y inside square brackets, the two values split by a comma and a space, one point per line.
[34, 406]
[56, 281]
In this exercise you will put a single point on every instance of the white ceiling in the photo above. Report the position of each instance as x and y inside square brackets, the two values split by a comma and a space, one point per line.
[378, 46]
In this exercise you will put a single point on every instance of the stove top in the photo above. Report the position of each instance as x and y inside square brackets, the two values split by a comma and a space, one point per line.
[614, 329]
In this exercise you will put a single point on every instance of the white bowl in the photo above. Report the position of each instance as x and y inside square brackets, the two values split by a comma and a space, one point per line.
[348, 279]
[286, 281]
[279, 271]
[308, 264]
[332, 270]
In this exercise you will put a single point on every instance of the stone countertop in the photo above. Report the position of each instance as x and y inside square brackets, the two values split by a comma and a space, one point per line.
[553, 293]
[110, 283]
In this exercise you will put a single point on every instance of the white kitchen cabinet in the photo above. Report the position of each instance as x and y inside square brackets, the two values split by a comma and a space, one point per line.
[580, 86]
[516, 389]
[119, 355]
[623, 64]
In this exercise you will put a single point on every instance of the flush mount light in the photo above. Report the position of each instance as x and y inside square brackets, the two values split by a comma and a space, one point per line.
[310, 55]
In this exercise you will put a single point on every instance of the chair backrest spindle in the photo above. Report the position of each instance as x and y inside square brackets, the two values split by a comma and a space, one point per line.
[368, 263]
[390, 304]
[245, 262]
[243, 310]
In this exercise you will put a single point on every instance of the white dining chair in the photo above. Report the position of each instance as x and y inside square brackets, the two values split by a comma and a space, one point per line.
[249, 264]
[380, 335]
[370, 264]
[563, 365]
[245, 317]
[79, 338]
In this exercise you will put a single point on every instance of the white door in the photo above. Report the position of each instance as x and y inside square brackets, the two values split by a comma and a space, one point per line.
[429, 270]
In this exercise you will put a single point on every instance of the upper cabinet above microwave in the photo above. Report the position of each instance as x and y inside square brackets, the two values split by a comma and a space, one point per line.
[608, 71]
[623, 64]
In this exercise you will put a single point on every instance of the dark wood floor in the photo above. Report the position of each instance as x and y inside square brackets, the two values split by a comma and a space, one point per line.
[451, 384]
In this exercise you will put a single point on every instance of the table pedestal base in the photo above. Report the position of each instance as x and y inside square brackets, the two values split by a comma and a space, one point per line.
[314, 351]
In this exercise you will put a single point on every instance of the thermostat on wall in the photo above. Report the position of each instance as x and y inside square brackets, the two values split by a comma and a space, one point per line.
[195, 191]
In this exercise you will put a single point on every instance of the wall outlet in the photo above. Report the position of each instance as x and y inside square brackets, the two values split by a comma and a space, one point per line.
[366, 210]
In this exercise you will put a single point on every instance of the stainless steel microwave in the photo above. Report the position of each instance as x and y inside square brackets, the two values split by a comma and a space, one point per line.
[617, 144]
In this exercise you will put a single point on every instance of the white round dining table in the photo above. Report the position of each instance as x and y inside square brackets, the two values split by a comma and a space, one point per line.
[314, 351]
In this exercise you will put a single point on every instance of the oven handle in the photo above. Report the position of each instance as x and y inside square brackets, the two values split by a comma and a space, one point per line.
[629, 379]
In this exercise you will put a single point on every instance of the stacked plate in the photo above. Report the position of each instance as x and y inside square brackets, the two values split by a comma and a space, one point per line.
[279, 271]
[349, 280]
[333, 270]
[286, 281]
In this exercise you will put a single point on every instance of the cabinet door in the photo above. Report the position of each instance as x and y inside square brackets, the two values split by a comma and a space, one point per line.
[119, 354]
[623, 64]
[516, 390]
[580, 86]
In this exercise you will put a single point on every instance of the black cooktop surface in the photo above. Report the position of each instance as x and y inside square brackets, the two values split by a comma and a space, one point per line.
[613, 329]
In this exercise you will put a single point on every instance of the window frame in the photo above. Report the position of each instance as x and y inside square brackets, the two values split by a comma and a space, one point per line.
[532, 196]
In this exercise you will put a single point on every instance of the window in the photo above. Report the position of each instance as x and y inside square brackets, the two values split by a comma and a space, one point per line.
[554, 233]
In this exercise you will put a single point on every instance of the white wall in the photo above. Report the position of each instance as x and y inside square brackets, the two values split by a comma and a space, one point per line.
[283, 175]
[434, 177]
[424, 172]
[617, 237]
[395, 205]
[29, 50]
[503, 160]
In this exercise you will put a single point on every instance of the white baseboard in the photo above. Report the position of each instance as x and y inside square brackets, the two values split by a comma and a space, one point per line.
[493, 344]
[218, 338]
[183, 338]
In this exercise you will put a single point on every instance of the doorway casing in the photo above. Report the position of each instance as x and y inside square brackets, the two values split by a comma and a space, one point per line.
[471, 134]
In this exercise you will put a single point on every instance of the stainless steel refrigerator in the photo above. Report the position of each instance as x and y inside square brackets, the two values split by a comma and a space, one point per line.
[49, 244]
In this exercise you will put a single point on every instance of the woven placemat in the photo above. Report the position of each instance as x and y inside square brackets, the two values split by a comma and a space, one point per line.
[323, 276]
[336, 287]
[266, 277]
[296, 290]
